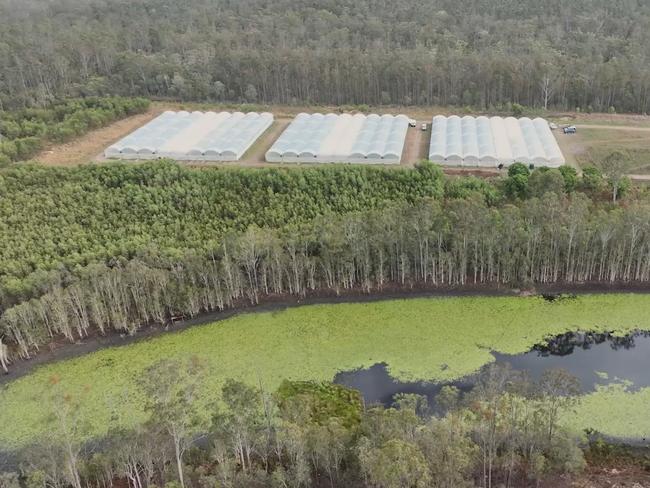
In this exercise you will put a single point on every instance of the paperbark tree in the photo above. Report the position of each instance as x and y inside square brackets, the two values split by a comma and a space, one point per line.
[170, 388]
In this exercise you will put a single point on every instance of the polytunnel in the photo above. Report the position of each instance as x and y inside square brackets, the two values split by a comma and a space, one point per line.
[490, 142]
[332, 138]
[195, 136]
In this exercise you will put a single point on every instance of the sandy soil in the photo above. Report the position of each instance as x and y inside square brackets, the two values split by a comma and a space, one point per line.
[89, 148]
[85, 148]
[416, 145]
[571, 146]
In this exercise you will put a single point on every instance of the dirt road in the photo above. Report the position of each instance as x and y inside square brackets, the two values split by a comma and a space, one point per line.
[625, 128]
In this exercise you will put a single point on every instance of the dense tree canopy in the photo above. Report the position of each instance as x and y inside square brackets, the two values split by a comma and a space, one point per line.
[56, 216]
[118, 246]
[592, 54]
[504, 432]
[24, 132]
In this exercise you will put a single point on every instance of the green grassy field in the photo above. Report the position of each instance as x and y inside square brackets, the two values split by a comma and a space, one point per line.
[433, 339]
[599, 143]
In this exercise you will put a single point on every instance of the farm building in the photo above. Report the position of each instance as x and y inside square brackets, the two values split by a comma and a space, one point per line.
[195, 136]
[489, 142]
[331, 138]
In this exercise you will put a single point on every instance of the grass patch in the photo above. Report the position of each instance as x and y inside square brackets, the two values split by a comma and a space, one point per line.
[599, 143]
[434, 339]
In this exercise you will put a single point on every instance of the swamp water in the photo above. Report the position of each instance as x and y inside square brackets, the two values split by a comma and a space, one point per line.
[594, 359]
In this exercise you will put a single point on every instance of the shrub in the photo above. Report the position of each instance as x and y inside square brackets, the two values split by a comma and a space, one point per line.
[29, 130]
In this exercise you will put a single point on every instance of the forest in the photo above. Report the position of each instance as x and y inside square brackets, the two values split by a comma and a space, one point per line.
[505, 432]
[117, 247]
[580, 55]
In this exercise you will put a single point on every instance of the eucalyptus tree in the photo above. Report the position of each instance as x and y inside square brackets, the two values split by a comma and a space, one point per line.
[170, 389]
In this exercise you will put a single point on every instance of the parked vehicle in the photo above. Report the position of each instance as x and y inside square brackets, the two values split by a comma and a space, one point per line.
[412, 123]
[552, 125]
[424, 127]
[570, 129]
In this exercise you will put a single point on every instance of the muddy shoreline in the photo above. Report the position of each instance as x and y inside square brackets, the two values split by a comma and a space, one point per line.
[62, 350]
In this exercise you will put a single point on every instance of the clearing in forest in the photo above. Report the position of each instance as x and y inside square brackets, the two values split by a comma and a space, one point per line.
[595, 134]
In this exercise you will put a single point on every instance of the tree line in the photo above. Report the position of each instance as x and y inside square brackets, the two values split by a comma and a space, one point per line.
[462, 240]
[586, 54]
[23, 133]
[506, 431]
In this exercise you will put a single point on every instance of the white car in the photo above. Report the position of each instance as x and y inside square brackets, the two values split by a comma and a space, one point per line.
[424, 127]
[412, 123]
[552, 125]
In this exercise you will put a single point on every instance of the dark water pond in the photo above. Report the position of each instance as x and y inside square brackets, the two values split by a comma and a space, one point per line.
[594, 359]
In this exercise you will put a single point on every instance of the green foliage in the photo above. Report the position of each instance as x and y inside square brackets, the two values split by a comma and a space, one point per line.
[624, 187]
[396, 464]
[517, 110]
[466, 187]
[615, 166]
[516, 184]
[27, 131]
[546, 180]
[419, 339]
[570, 176]
[516, 169]
[516, 187]
[324, 401]
[114, 211]
[332, 53]
[5, 160]
[36, 479]
[592, 179]
[404, 243]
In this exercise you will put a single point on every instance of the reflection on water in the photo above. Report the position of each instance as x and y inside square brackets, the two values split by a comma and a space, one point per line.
[594, 359]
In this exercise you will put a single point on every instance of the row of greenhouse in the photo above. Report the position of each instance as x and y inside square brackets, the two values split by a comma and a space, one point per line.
[341, 138]
[195, 136]
[483, 141]
[346, 138]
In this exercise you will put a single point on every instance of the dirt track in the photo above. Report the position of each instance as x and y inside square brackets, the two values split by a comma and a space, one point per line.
[626, 128]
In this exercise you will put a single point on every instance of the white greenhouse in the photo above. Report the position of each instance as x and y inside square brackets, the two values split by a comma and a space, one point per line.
[489, 142]
[195, 136]
[332, 138]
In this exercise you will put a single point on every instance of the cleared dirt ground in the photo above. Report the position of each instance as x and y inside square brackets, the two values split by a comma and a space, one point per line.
[597, 134]
[616, 475]
[86, 148]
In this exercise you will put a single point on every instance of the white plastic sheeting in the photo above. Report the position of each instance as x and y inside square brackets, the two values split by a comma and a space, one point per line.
[195, 136]
[488, 142]
[332, 138]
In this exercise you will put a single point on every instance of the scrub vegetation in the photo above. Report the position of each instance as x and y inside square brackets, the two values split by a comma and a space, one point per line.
[426, 339]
